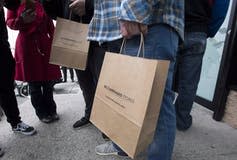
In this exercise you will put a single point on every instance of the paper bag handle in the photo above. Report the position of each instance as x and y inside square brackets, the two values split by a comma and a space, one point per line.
[70, 16]
[140, 49]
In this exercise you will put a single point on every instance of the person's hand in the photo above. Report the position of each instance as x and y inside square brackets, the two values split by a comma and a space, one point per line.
[129, 29]
[28, 16]
[78, 7]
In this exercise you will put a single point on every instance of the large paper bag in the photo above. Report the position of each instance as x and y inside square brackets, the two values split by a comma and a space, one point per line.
[127, 100]
[70, 46]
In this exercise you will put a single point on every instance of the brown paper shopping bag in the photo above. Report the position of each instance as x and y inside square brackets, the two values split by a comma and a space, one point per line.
[70, 46]
[127, 100]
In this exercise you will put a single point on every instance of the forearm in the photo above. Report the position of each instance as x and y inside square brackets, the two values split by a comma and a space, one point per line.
[14, 22]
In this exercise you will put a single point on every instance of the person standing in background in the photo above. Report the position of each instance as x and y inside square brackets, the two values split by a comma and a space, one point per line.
[32, 63]
[64, 70]
[203, 18]
[82, 11]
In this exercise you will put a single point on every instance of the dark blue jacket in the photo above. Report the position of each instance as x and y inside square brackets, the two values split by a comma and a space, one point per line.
[205, 15]
[219, 10]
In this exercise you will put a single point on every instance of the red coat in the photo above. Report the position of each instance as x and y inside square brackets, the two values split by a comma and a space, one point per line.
[33, 46]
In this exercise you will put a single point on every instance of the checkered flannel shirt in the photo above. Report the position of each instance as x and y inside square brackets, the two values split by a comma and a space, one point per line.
[104, 26]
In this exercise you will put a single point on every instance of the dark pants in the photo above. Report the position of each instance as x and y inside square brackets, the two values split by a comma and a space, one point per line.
[7, 95]
[188, 66]
[88, 79]
[64, 69]
[42, 98]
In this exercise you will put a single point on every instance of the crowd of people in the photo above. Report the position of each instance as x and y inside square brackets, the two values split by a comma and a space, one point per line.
[174, 30]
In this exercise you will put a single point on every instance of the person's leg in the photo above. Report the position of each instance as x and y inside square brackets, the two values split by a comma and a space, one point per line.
[37, 99]
[7, 95]
[159, 48]
[1, 152]
[64, 69]
[48, 100]
[97, 61]
[87, 85]
[8, 100]
[189, 64]
[9, 105]
[71, 74]
[166, 49]
[1, 112]
[88, 79]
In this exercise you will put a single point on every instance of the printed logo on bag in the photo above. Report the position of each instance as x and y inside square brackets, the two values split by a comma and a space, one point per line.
[69, 41]
[118, 94]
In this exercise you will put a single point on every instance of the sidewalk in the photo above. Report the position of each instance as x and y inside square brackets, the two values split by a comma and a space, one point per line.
[206, 140]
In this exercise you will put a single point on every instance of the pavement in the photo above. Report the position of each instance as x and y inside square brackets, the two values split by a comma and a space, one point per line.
[205, 140]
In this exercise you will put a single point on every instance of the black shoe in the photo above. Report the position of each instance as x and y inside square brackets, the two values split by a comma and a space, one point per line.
[81, 123]
[106, 138]
[55, 117]
[1, 152]
[185, 125]
[47, 119]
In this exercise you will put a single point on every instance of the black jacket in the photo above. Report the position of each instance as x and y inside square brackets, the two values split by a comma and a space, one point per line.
[3, 30]
[197, 15]
[7, 63]
[59, 8]
[10, 4]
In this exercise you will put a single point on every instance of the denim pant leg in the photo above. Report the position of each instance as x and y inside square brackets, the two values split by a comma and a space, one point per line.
[161, 42]
[189, 64]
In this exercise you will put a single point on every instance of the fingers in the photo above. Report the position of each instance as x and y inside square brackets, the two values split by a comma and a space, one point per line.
[129, 29]
[124, 30]
[143, 29]
[73, 4]
[78, 7]
[28, 15]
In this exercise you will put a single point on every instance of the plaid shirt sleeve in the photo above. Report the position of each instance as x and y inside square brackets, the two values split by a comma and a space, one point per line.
[137, 10]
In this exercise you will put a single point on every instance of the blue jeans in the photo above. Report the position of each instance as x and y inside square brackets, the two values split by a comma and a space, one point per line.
[161, 42]
[188, 66]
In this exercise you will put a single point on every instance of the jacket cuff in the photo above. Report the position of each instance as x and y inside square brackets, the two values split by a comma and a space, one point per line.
[137, 11]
